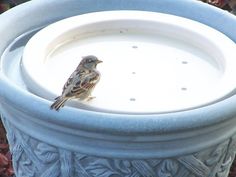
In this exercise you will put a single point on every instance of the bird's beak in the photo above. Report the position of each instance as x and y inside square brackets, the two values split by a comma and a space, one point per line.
[99, 61]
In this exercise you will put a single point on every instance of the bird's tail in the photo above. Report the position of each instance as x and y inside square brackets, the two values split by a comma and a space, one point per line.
[60, 101]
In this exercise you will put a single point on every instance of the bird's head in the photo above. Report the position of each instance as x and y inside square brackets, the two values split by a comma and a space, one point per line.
[89, 62]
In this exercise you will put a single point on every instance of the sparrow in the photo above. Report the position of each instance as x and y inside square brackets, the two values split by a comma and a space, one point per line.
[80, 83]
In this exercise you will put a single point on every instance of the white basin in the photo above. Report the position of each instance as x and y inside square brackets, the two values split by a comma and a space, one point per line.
[152, 62]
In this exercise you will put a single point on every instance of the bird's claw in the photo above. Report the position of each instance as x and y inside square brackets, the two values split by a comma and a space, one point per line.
[90, 98]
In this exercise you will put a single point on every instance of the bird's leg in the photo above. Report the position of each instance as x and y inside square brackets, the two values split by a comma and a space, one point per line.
[90, 98]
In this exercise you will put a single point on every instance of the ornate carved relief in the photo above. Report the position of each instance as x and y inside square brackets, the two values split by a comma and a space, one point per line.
[33, 158]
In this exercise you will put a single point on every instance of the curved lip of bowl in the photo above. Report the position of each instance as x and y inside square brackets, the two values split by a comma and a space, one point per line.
[105, 122]
[38, 48]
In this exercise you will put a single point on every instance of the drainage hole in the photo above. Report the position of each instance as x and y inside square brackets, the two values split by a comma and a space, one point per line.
[132, 99]
[184, 62]
[184, 89]
[134, 46]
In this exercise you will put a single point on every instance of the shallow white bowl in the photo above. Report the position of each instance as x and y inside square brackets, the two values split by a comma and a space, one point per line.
[152, 62]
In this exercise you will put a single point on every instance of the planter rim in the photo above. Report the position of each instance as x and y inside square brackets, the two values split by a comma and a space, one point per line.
[123, 123]
[120, 123]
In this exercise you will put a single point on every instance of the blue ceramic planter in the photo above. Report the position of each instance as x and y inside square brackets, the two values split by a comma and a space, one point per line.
[75, 142]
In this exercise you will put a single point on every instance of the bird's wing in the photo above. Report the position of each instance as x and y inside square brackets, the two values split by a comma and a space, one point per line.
[74, 77]
[89, 81]
[71, 84]
[84, 84]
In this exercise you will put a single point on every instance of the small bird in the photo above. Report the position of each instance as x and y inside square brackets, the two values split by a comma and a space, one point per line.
[80, 83]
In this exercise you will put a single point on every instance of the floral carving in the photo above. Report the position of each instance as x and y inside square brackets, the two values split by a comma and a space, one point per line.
[107, 168]
[46, 153]
[33, 158]
[169, 168]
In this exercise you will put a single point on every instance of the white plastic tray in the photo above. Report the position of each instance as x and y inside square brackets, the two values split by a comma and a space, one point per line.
[152, 62]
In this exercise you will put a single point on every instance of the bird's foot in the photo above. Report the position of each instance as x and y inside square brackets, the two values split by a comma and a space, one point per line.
[90, 98]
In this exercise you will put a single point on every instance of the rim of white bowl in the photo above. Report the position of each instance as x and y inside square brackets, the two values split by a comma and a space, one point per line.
[38, 48]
